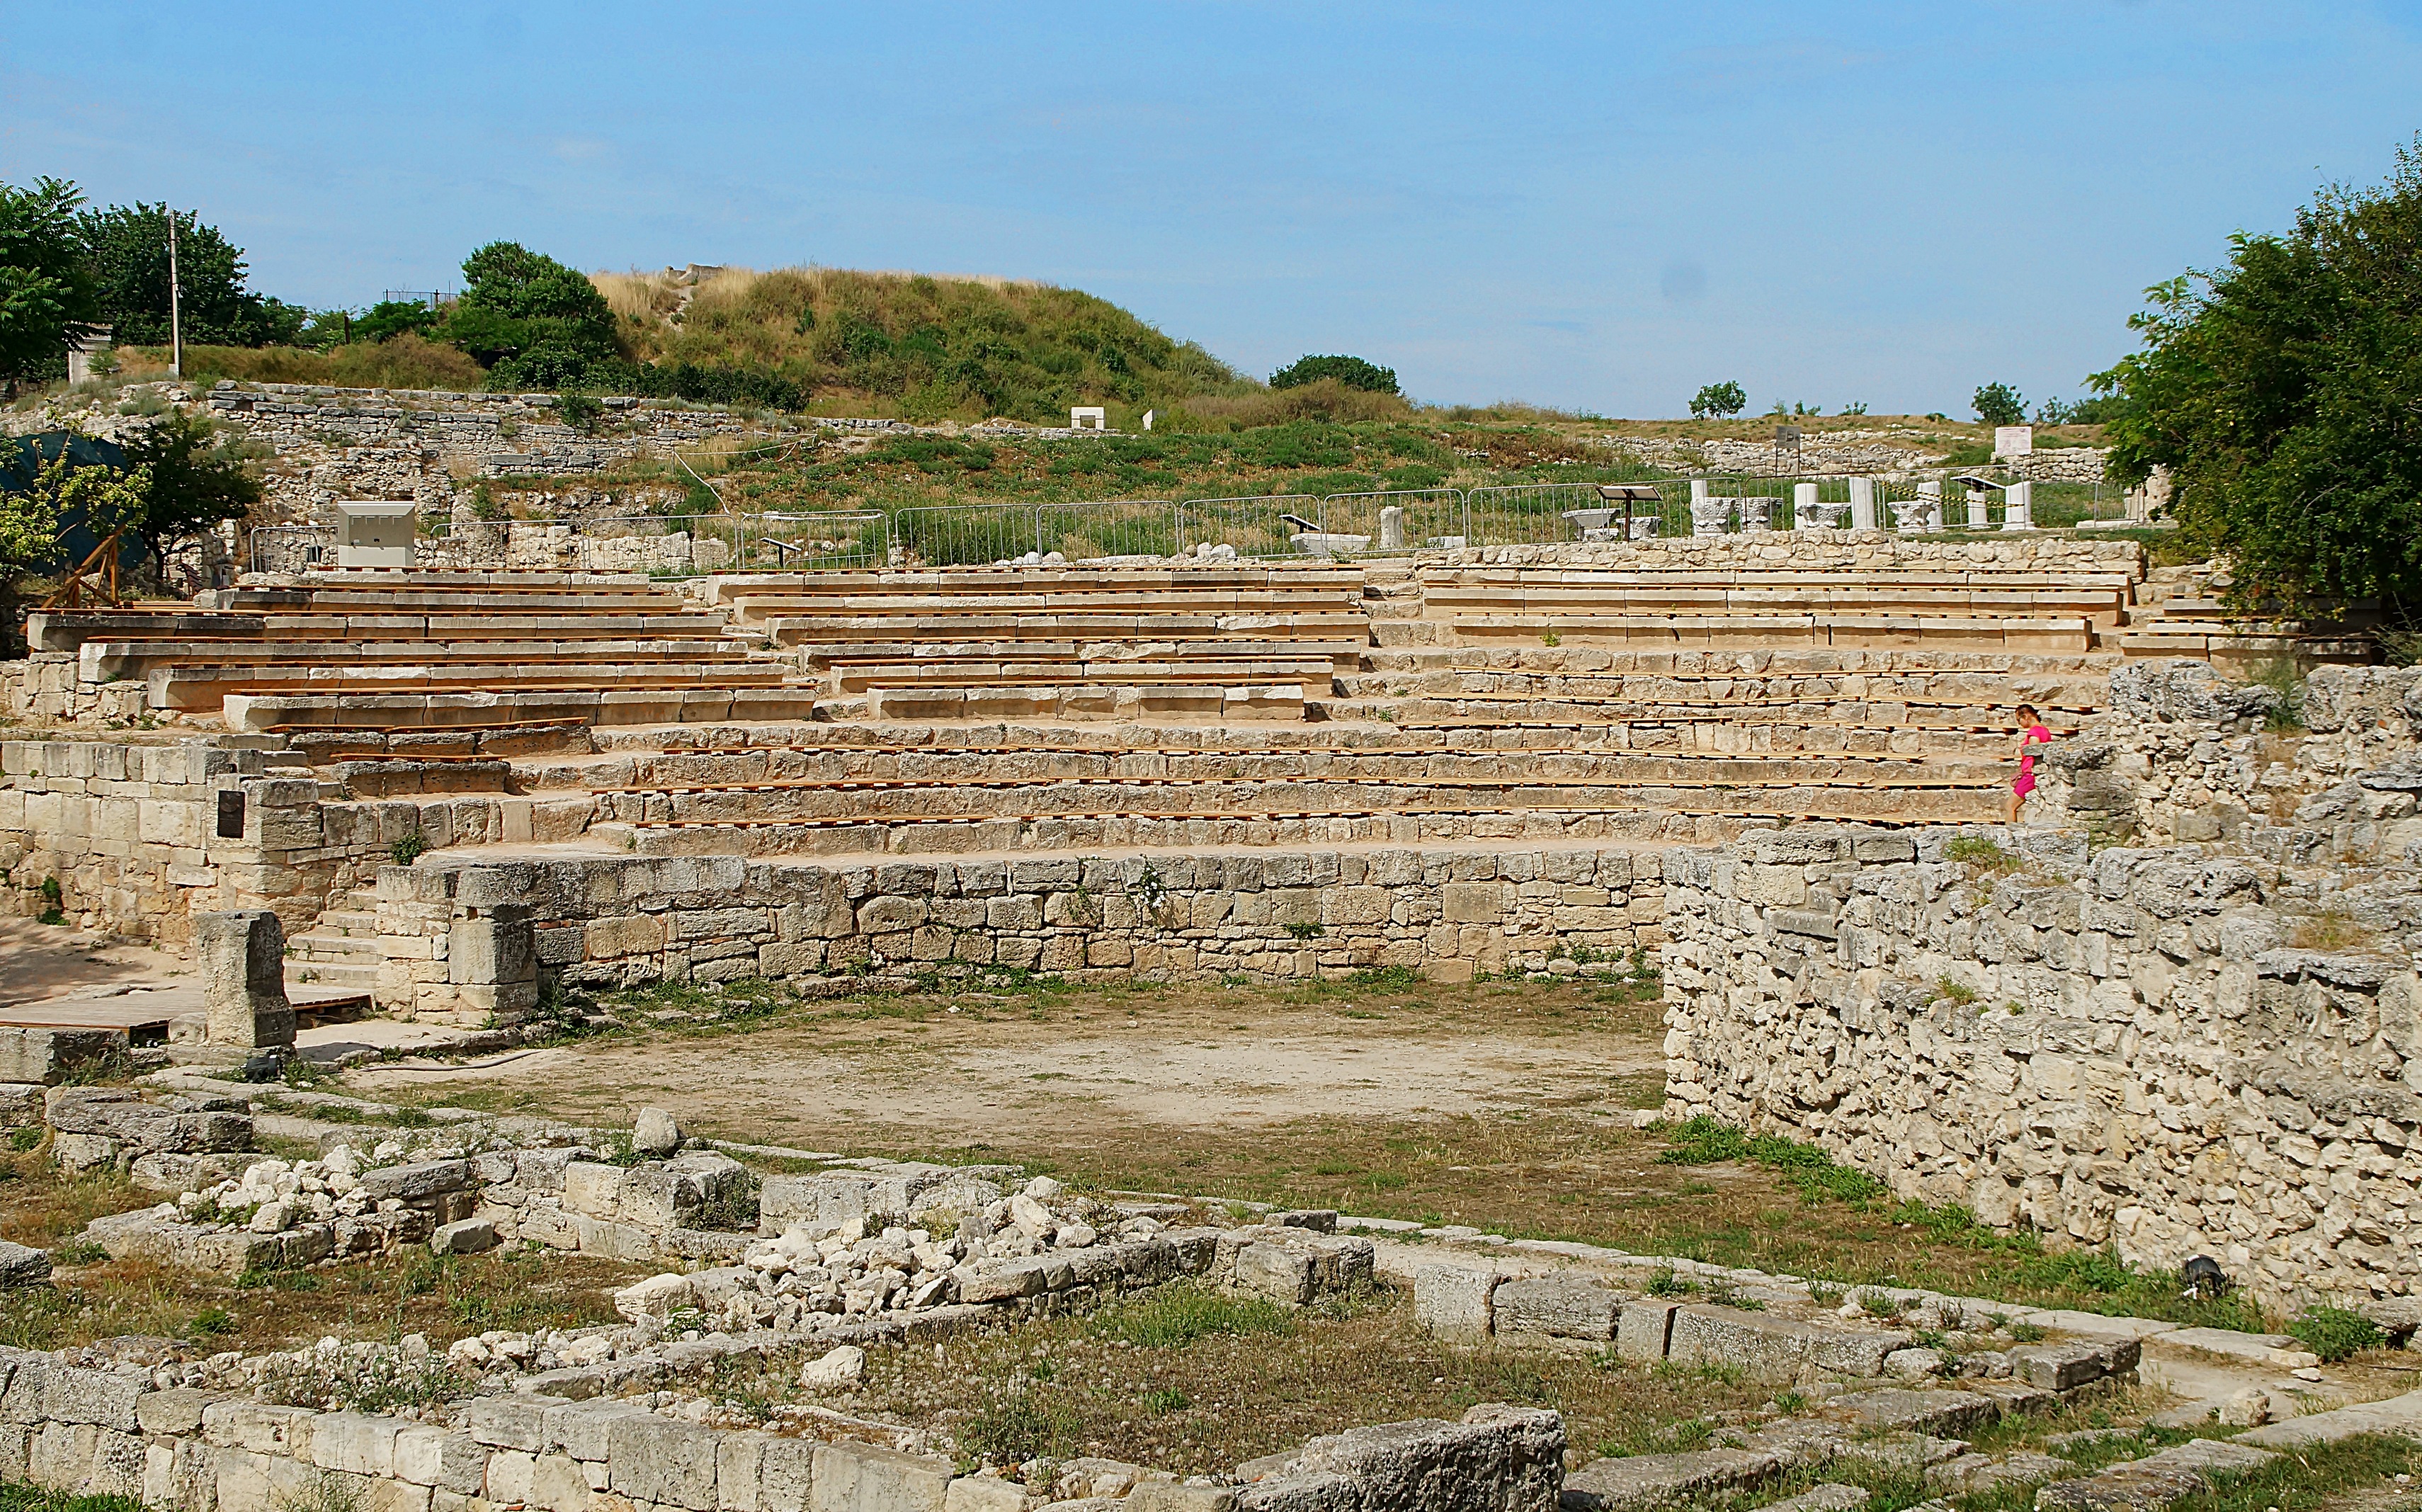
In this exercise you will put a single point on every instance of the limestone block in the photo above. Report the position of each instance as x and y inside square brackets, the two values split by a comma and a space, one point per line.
[788, 1475]
[861, 1477]
[1453, 1301]
[1774, 1348]
[1643, 1482]
[740, 1472]
[652, 1458]
[1559, 1306]
[356, 1442]
[177, 1410]
[1501, 1457]
[242, 956]
[441, 1461]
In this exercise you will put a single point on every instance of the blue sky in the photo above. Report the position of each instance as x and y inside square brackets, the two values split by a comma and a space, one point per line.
[1597, 205]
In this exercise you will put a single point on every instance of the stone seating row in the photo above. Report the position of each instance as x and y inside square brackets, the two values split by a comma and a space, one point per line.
[103, 661]
[1843, 596]
[616, 703]
[190, 687]
[1647, 812]
[817, 633]
[1749, 631]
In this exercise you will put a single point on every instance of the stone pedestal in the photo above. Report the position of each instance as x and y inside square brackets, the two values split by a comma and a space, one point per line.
[2019, 506]
[491, 960]
[1710, 516]
[1804, 506]
[242, 959]
[1392, 527]
[1756, 513]
[1862, 503]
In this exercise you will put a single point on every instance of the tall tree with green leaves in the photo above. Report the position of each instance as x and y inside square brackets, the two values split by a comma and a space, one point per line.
[193, 481]
[47, 293]
[1999, 404]
[127, 246]
[2284, 391]
[537, 321]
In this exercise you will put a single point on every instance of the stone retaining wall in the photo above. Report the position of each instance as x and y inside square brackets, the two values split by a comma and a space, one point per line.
[114, 1432]
[128, 832]
[612, 921]
[2117, 1049]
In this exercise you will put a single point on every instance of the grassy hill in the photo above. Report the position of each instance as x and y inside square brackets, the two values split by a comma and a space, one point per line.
[920, 347]
[904, 345]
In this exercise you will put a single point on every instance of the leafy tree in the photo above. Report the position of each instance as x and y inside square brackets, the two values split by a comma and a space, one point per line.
[1718, 400]
[1352, 372]
[2098, 410]
[127, 248]
[539, 323]
[1999, 404]
[46, 292]
[194, 485]
[44, 496]
[2284, 391]
[393, 317]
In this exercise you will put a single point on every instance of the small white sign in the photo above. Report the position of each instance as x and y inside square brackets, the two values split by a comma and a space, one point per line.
[2014, 440]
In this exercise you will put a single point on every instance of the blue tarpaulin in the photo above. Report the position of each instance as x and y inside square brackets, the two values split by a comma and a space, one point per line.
[21, 460]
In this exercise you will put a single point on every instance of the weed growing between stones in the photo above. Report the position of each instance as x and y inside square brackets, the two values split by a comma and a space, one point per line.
[2335, 1332]
[19, 1496]
[1984, 855]
[327, 1492]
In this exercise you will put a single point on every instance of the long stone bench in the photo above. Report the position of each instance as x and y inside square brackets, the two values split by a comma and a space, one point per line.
[201, 686]
[617, 705]
[103, 661]
[2015, 633]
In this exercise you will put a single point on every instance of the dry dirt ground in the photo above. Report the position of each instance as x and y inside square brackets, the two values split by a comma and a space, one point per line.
[972, 1069]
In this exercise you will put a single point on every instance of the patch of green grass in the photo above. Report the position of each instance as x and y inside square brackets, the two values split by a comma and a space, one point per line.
[1177, 1315]
[2335, 1332]
[1984, 855]
[1703, 1140]
[1957, 992]
[1017, 1422]
[20, 1496]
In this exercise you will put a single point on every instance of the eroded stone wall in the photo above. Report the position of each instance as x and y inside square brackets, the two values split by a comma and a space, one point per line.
[2118, 1050]
[610, 921]
[1823, 551]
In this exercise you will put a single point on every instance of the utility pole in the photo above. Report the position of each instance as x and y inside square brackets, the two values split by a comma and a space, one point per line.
[175, 321]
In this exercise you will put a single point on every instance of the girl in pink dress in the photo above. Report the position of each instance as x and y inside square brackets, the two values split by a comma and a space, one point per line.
[2036, 735]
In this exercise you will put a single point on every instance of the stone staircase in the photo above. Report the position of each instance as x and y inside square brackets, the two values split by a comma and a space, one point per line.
[341, 948]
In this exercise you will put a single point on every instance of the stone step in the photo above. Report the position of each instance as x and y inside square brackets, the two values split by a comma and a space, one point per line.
[332, 948]
[331, 974]
[345, 923]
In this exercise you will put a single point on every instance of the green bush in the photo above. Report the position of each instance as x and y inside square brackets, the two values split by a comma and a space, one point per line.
[1353, 373]
[2335, 1332]
[1999, 404]
[1716, 401]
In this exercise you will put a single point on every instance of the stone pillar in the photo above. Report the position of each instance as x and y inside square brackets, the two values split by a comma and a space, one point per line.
[1709, 515]
[1392, 527]
[1862, 503]
[242, 959]
[1977, 517]
[491, 960]
[2019, 506]
[1804, 506]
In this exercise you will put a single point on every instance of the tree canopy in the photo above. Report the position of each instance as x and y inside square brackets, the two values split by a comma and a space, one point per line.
[1718, 400]
[1352, 372]
[126, 246]
[190, 483]
[2284, 391]
[527, 310]
[46, 289]
[1999, 404]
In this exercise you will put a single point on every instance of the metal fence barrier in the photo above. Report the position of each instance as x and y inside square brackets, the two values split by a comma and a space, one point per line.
[1258, 527]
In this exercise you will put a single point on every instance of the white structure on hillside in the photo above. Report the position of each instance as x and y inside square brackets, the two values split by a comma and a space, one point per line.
[373, 532]
[1088, 417]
